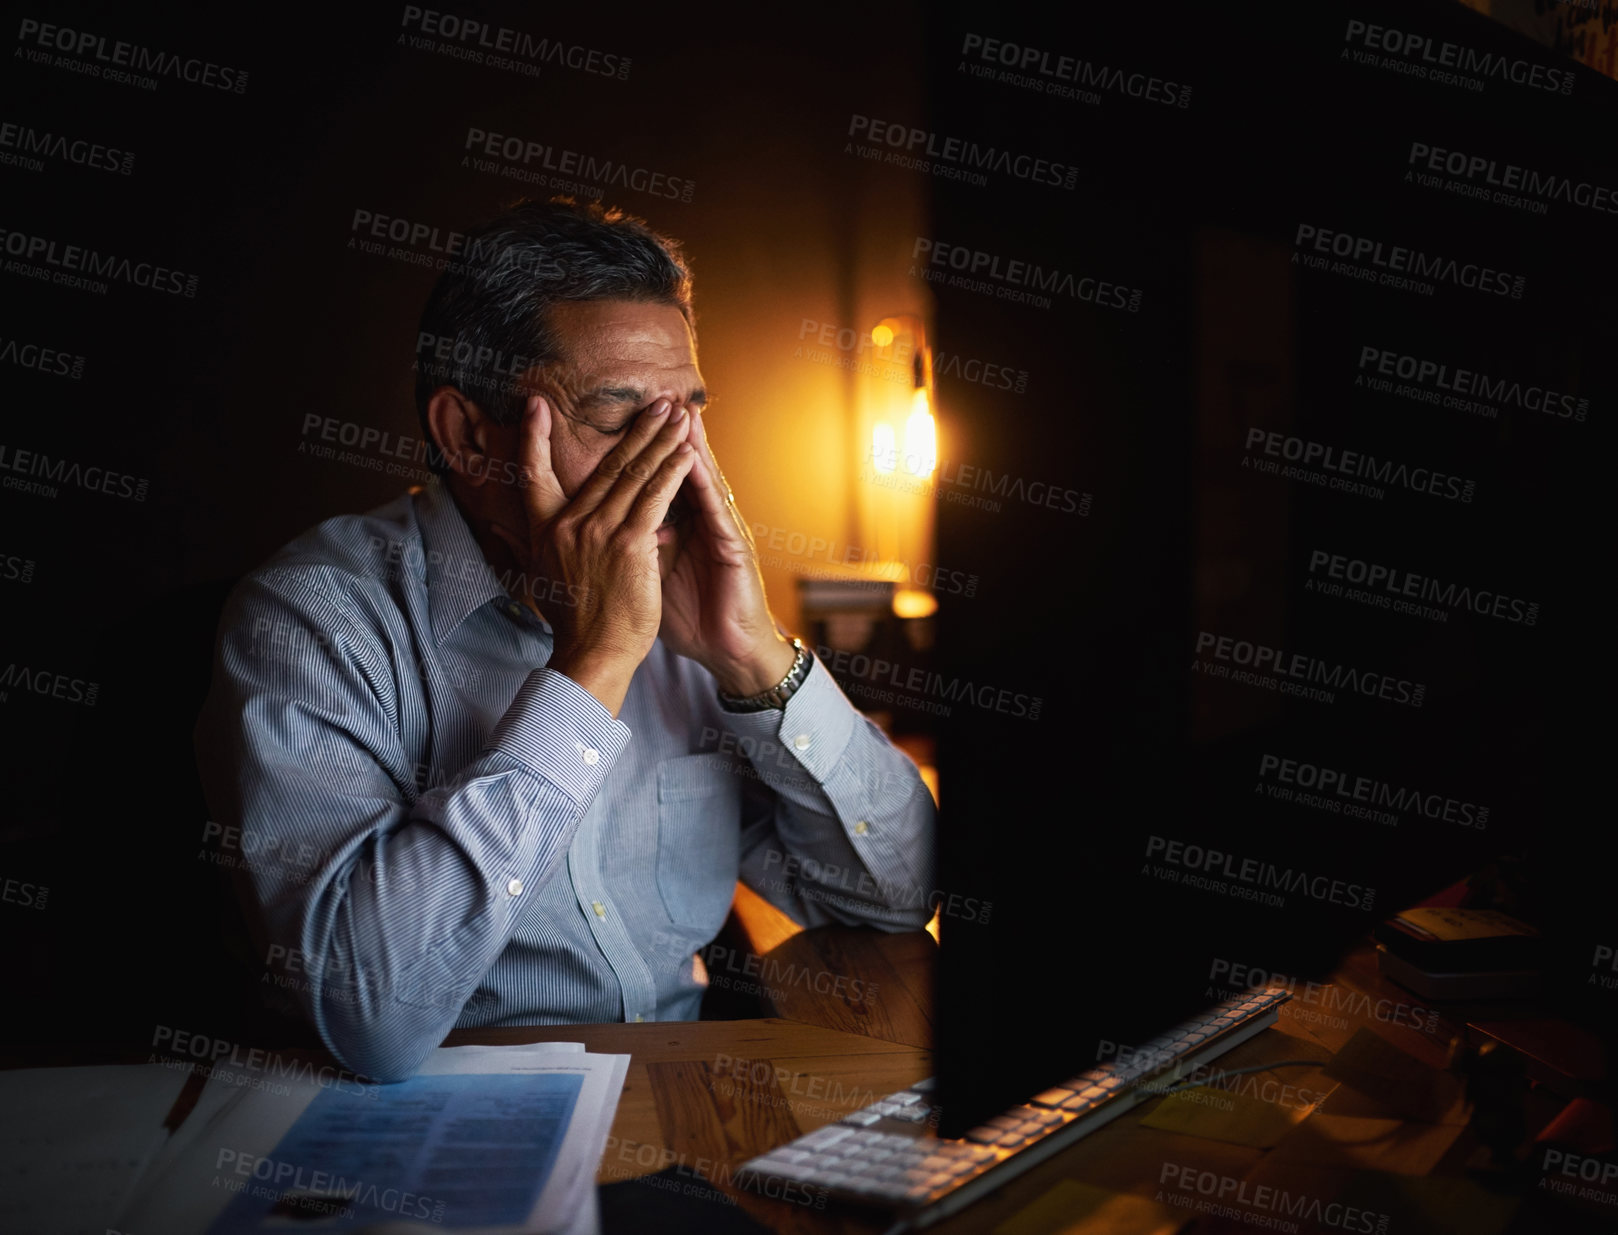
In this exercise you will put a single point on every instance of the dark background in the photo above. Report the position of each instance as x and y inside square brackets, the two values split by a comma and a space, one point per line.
[1200, 207]
[206, 398]
[1098, 615]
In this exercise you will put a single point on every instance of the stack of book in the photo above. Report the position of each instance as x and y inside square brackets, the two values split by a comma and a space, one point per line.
[1448, 953]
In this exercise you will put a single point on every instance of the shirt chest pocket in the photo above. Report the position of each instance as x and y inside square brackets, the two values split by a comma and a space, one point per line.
[699, 831]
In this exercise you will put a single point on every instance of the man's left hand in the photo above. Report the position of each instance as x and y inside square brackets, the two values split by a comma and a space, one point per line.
[714, 610]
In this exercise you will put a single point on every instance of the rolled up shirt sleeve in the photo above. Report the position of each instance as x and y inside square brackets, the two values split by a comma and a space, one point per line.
[384, 906]
[851, 836]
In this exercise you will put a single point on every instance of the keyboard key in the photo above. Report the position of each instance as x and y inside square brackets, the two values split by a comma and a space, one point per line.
[1052, 1097]
[822, 1136]
[857, 1160]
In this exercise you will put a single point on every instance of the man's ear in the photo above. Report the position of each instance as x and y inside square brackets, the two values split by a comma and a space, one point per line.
[461, 430]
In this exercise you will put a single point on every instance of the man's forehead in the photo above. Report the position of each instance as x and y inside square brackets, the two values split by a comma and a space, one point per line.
[621, 327]
[615, 351]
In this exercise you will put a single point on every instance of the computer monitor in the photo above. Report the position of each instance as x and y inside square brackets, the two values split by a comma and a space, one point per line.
[1255, 657]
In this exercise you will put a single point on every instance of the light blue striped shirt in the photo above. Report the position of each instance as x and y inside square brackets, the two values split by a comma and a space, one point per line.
[430, 829]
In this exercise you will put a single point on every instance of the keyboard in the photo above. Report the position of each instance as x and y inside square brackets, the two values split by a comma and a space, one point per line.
[886, 1156]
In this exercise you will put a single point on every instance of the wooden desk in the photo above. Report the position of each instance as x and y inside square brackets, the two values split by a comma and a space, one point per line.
[702, 1098]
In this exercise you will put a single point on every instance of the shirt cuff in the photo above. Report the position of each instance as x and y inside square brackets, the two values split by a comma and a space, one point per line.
[560, 732]
[816, 725]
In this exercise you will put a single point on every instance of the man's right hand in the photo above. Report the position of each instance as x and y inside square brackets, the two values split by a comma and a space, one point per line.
[601, 544]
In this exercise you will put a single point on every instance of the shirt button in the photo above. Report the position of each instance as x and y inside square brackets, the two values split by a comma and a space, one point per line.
[801, 741]
[639, 1018]
[514, 888]
[861, 828]
[590, 754]
[601, 910]
[514, 609]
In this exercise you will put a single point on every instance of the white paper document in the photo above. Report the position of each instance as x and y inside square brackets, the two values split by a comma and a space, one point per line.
[482, 1140]
[75, 1140]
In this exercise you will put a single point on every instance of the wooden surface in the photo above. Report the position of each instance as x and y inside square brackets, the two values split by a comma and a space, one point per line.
[852, 1024]
[703, 1097]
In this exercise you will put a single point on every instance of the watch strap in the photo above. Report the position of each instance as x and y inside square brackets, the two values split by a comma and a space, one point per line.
[777, 695]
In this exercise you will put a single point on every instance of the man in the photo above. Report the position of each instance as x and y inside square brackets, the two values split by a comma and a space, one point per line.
[468, 802]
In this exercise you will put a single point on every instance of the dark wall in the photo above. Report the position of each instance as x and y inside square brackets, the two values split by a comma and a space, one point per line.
[233, 413]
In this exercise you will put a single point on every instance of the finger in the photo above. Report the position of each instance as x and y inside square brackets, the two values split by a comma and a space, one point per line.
[615, 506]
[707, 493]
[655, 496]
[641, 434]
[712, 494]
[542, 491]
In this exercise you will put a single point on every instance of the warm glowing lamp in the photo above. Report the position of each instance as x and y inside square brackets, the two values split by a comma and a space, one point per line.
[884, 448]
[882, 334]
[912, 602]
[921, 436]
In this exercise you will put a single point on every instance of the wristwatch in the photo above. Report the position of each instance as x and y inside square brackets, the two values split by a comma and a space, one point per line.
[777, 695]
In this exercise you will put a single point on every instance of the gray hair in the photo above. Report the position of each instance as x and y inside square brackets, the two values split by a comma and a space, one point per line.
[485, 322]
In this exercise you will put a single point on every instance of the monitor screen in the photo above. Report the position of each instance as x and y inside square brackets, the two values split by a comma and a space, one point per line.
[1274, 531]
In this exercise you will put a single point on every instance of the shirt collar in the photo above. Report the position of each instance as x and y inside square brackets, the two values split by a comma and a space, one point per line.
[459, 578]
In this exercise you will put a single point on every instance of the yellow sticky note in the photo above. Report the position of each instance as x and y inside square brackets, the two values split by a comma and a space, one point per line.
[1072, 1208]
[1233, 1118]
